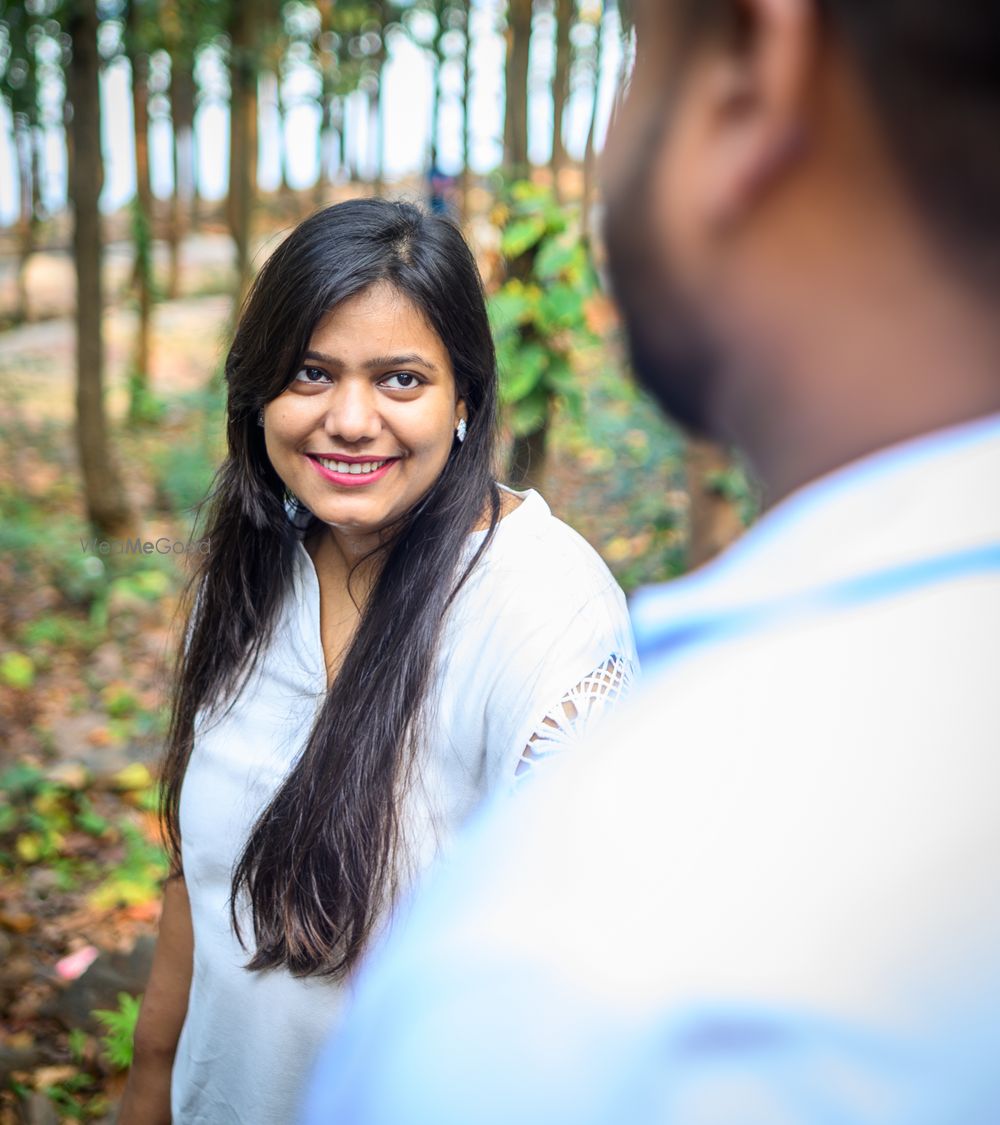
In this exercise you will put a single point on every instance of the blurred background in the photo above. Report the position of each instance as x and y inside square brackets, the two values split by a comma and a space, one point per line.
[152, 154]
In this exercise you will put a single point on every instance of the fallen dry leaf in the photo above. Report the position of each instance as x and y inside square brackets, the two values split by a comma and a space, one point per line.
[17, 923]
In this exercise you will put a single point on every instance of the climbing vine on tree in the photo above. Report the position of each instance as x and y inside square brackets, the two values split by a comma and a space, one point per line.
[539, 320]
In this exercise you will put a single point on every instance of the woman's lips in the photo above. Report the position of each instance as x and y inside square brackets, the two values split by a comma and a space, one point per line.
[352, 472]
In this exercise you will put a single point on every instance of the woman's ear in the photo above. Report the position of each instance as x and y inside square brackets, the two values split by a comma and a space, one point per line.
[461, 411]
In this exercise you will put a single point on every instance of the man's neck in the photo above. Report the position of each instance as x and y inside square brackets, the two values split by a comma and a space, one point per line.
[862, 385]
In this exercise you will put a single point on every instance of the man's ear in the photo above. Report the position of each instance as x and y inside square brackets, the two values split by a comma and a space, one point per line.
[753, 90]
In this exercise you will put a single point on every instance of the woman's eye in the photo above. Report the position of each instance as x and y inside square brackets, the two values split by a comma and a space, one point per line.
[310, 375]
[401, 381]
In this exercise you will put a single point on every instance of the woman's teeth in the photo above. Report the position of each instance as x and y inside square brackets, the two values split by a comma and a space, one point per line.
[355, 468]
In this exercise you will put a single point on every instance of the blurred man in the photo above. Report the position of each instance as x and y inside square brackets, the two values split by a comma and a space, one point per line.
[771, 892]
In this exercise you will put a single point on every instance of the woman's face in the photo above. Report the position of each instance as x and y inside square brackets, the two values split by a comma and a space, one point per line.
[366, 424]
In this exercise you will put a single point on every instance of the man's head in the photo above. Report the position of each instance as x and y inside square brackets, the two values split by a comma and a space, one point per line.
[781, 171]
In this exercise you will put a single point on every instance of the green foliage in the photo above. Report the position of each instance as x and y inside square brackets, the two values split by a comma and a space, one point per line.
[735, 485]
[90, 821]
[39, 812]
[119, 1024]
[77, 1043]
[55, 631]
[184, 470]
[148, 584]
[521, 234]
[21, 780]
[119, 702]
[538, 316]
[17, 670]
[144, 406]
[629, 498]
[66, 1094]
[43, 540]
[34, 817]
[137, 879]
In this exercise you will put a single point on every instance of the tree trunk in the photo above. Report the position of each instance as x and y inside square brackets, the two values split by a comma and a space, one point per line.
[383, 17]
[280, 108]
[351, 160]
[378, 114]
[438, 66]
[183, 201]
[26, 212]
[466, 112]
[560, 89]
[516, 80]
[105, 500]
[589, 154]
[325, 151]
[38, 173]
[242, 141]
[713, 521]
[142, 225]
[326, 64]
[253, 140]
[343, 159]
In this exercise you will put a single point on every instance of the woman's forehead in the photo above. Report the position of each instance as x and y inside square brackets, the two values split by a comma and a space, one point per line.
[377, 318]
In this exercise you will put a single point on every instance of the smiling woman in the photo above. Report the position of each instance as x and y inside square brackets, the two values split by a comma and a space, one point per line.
[375, 404]
[381, 637]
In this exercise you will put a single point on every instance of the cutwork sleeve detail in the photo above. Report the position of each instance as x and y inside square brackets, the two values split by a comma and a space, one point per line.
[579, 710]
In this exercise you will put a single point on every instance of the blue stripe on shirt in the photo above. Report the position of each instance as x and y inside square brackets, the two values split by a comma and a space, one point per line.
[851, 593]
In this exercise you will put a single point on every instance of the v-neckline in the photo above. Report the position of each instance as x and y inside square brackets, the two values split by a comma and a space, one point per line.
[312, 608]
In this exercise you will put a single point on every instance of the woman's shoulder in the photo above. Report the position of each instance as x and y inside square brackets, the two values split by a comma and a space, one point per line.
[541, 554]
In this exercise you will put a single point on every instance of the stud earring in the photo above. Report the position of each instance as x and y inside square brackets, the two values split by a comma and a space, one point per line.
[460, 430]
[260, 416]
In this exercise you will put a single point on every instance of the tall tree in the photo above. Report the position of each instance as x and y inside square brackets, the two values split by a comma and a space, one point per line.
[281, 110]
[19, 86]
[590, 150]
[275, 62]
[447, 16]
[466, 108]
[518, 37]
[244, 28]
[564, 13]
[340, 71]
[139, 19]
[383, 11]
[184, 198]
[438, 8]
[106, 504]
[185, 25]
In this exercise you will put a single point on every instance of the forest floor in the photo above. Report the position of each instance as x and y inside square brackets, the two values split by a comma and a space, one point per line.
[87, 640]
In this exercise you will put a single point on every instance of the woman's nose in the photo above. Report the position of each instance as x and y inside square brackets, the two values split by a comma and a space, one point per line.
[353, 414]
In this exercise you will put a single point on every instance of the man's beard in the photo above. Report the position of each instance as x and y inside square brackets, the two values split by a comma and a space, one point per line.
[672, 352]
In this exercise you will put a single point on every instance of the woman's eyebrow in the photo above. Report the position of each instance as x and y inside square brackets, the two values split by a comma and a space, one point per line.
[405, 360]
[376, 362]
[322, 357]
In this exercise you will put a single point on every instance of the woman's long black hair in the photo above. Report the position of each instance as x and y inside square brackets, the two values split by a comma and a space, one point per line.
[320, 862]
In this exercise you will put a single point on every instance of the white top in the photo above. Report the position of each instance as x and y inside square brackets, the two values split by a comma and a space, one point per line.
[782, 901]
[540, 623]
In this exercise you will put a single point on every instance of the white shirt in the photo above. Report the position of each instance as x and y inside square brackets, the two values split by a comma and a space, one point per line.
[769, 892]
[540, 621]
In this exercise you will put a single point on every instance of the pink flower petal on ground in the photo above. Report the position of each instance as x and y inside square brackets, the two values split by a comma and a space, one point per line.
[74, 965]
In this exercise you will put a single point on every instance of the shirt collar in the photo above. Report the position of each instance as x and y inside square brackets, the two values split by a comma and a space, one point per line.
[931, 494]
